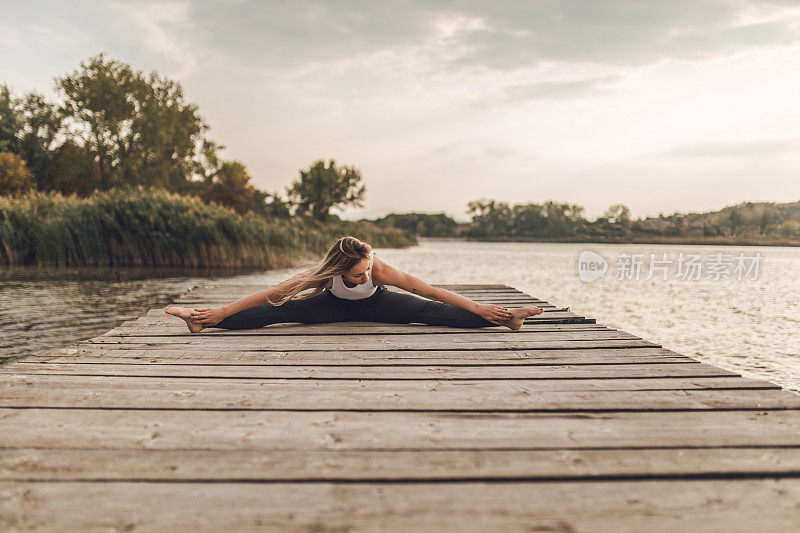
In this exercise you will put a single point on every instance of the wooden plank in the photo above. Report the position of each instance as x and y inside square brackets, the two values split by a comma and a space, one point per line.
[88, 353]
[542, 332]
[11, 383]
[601, 506]
[380, 395]
[555, 317]
[420, 340]
[536, 323]
[27, 464]
[173, 326]
[370, 372]
[548, 316]
[289, 330]
[158, 316]
[591, 506]
[209, 342]
[259, 396]
[233, 345]
[355, 359]
[391, 430]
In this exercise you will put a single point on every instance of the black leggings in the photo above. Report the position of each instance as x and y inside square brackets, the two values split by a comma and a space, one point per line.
[383, 306]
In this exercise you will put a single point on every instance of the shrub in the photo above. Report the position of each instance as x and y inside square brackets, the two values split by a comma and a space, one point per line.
[136, 227]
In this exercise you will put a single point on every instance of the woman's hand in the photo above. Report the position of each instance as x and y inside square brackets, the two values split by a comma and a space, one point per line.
[209, 316]
[494, 313]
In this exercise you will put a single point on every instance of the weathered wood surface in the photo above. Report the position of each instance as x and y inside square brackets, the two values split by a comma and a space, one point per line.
[469, 506]
[152, 326]
[370, 372]
[70, 464]
[237, 429]
[165, 355]
[444, 396]
[566, 425]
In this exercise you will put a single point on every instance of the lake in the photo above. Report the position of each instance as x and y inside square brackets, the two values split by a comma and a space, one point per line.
[734, 307]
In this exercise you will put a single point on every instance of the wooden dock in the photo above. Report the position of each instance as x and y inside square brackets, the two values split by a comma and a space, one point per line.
[566, 425]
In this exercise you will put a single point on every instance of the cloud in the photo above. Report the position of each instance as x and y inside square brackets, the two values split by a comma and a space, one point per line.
[163, 29]
[503, 35]
[11, 37]
[620, 32]
[285, 37]
[734, 149]
[548, 89]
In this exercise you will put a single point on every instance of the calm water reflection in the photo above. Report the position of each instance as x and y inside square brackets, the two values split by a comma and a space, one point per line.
[748, 326]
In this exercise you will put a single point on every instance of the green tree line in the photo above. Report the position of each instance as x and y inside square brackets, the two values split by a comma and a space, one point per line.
[552, 220]
[116, 127]
[152, 227]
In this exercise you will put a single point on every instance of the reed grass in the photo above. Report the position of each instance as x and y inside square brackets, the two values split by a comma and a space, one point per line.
[146, 227]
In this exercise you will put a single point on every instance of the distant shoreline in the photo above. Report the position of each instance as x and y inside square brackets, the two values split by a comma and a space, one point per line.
[716, 241]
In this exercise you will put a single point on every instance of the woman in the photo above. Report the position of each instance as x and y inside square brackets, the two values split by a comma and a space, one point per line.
[348, 284]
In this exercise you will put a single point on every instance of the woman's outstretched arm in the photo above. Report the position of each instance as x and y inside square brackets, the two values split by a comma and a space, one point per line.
[385, 274]
[214, 315]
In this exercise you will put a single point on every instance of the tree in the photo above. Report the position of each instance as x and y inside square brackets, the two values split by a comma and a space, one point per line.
[138, 126]
[15, 177]
[562, 219]
[99, 101]
[230, 186]
[170, 141]
[322, 188]
[529, 219]
[789, 228]
[10, 121]
[42, 126]
[272, 205]
[490, 217]
[29, 127]
[422, 224]
[72, 170]
[618, 214]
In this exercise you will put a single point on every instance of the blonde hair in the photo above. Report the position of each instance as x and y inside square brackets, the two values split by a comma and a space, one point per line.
[343, 255]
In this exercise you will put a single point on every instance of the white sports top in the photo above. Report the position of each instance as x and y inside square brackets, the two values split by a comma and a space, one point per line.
[359, 292]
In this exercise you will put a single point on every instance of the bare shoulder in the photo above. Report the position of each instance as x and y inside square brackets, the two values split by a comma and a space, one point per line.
[385, 274]
[379, 267]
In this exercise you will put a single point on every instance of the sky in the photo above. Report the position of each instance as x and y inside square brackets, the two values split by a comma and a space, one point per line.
[662, 105]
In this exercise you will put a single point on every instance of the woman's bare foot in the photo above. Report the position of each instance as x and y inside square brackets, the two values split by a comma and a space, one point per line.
[186, 314]
[519, 315]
